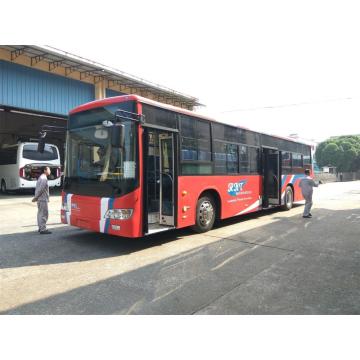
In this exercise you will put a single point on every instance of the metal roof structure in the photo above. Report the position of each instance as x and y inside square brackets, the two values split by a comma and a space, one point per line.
[88, 69]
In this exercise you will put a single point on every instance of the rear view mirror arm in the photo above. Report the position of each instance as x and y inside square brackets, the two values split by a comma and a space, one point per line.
[43, 132]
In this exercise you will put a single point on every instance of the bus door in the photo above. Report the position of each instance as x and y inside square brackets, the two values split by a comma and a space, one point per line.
[167, 180]
[271, 177]
[159, 180]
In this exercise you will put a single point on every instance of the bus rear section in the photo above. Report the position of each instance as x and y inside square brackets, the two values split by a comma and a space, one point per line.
[21, 165]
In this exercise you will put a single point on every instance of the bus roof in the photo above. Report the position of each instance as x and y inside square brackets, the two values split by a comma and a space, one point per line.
[123, 98]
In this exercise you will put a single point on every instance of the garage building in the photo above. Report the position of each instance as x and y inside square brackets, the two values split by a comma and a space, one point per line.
[40, 84]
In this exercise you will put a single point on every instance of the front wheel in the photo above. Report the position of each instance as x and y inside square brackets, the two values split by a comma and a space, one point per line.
[288, 199]
[205, 214]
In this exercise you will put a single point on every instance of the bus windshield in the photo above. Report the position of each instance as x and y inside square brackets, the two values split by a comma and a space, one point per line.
[94, 166]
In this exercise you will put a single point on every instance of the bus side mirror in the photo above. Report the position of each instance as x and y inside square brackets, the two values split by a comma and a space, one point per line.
[41, 143]
[118, 136]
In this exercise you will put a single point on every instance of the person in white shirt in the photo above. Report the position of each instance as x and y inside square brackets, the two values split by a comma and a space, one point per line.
[307, 184]
[42, 199]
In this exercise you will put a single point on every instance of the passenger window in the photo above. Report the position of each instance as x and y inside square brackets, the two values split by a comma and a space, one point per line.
[244, 159]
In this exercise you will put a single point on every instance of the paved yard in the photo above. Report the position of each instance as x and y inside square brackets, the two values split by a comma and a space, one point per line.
[266, 263]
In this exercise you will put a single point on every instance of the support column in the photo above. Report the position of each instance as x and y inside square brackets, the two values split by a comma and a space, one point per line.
[100, 90]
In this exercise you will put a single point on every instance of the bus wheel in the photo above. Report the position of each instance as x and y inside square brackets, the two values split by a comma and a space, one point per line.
[289, 199]
[3, 186]
[205, 214]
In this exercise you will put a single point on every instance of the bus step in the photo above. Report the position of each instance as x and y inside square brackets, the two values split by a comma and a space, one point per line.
[155, 228]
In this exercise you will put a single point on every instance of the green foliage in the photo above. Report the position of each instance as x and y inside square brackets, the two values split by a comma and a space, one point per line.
[342, 152]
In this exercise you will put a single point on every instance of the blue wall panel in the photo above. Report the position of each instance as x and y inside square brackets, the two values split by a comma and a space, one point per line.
[111, 93]
[32, 89]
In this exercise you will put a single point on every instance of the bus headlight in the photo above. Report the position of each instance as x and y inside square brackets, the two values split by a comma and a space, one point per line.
[119, 214]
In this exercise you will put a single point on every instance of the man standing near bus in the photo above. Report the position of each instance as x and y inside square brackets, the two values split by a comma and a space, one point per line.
[42, 199]
[307, 184]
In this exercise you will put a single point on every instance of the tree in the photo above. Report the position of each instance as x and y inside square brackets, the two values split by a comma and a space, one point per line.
[342, 152]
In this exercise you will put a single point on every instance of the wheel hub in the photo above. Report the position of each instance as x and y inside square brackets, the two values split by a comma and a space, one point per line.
[288, 198]
[206, 213]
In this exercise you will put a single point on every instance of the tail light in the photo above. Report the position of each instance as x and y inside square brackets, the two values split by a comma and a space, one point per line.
[58, 172]
[22, 172]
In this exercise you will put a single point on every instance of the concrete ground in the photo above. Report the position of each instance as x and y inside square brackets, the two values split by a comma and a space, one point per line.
[270, 262]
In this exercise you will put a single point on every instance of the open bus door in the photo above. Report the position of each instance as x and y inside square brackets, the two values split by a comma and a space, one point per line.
[159, 180]
[271, 177]
[167, 180]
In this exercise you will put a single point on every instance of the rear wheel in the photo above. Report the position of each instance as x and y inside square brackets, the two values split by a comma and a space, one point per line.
[3, 186]
[288, 199]
[205, 214]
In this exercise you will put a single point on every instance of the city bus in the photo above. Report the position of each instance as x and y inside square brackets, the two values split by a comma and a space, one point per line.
[135, 167]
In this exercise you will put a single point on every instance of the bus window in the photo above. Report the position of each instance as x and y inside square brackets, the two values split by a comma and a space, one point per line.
[297, 163]
[196, 169]
[220, 157]
[226, 158]
[195, 139]
[254, 160]
[244, 159]
[195, 146]
[231, 159]
[307, 159]
[286, 163]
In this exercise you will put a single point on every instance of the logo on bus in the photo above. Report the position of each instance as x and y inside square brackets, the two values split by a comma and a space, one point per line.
[234, 189]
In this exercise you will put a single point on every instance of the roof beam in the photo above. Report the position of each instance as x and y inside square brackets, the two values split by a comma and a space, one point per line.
[16, 53]
[71, 69]
[54, 64]
[85, 74]
[37, 58]
[99, 78]
[112, 83]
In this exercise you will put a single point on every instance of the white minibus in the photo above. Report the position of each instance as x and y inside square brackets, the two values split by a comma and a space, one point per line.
[20, 165]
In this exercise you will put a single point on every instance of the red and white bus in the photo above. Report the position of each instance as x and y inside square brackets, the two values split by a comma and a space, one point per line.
[135, 167]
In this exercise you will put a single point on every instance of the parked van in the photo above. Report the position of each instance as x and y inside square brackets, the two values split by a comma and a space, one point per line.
[20, 165]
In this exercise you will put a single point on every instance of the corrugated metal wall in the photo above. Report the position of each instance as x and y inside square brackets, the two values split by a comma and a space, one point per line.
[32, 89]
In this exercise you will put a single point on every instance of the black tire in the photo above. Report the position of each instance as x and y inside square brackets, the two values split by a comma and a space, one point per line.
[288, 199]
[205, 214]
[3, 186]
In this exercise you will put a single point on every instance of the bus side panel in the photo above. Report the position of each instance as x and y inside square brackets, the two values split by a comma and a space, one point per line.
[298, 194]
[239, 194]
[294, 180]
[88, 212]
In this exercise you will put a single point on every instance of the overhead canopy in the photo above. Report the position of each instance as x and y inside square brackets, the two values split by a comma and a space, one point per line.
[85, 68]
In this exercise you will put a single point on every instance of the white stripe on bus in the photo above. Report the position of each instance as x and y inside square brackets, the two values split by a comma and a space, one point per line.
[104, 208]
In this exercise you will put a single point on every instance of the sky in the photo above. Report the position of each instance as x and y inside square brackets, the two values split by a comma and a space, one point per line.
[281, 67]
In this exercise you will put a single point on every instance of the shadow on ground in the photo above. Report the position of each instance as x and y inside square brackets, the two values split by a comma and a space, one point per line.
[18, 194]
[290, 266]
[70, 244]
